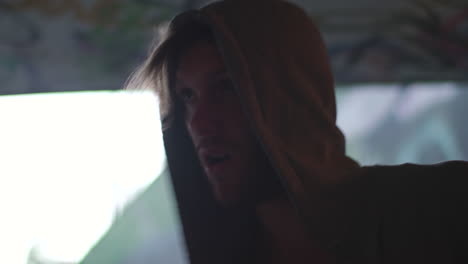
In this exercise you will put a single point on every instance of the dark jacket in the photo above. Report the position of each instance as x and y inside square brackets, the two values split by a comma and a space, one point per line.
[383, 214]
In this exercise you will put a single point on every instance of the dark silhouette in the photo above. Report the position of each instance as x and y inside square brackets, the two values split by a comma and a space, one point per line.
[258, 163]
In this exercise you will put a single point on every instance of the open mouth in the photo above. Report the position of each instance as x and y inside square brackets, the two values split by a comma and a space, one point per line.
[212, 160]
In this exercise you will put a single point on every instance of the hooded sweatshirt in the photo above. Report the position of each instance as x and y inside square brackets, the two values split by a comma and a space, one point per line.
[278, 63]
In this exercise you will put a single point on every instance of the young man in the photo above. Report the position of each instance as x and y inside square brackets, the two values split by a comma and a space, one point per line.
[258, 163]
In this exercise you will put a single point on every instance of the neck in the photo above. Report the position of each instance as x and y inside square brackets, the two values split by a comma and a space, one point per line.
[285, 234]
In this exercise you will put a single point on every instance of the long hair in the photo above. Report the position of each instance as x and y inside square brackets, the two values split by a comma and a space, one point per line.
[157, 72]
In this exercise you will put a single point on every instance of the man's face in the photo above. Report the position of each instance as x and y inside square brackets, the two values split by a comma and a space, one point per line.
[228, 151]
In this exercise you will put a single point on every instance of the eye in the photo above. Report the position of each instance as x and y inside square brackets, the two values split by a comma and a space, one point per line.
[186, 95]
[226, 86]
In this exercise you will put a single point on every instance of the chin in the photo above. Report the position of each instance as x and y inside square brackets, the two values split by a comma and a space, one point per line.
[237, 198]
[227, 200]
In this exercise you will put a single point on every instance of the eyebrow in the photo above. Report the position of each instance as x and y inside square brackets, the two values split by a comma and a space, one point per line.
[216, 76]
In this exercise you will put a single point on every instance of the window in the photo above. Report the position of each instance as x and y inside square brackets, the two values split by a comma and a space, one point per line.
[392, 124]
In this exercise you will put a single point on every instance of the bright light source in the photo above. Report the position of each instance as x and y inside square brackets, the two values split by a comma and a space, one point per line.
[69, 161]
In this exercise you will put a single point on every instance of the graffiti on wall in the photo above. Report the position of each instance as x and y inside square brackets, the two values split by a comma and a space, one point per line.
[67, 45]
[49, 45]
[425, 40]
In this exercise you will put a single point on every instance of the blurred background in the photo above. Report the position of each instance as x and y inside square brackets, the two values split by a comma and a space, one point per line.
[82, 165]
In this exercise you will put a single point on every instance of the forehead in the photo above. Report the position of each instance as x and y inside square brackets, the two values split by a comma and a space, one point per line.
[200, 63]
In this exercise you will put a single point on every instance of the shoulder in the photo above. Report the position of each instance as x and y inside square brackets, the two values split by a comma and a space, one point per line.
[410, 213]
[410, 179]
[411, 185]
[445, 181]
[447, 168]
[424, 206]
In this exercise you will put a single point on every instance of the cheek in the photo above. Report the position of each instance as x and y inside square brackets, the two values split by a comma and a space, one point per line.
[194, 127]
[243, 139]
[188, 126]
[236, 120]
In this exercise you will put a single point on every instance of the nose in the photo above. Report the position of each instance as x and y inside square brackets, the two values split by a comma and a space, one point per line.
[204, 120]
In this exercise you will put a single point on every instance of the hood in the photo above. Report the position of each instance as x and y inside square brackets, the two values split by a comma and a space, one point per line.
[279, 65]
